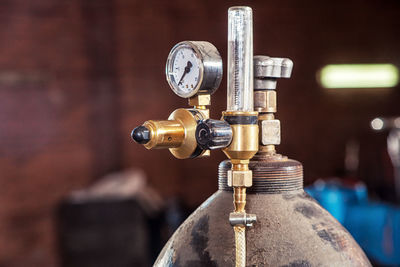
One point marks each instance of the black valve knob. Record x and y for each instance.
(141, 135)
(213, 134)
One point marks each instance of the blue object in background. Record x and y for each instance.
(374, 225)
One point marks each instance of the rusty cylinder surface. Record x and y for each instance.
(292, 229)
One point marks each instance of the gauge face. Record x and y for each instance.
(194, 67)
(184, 70)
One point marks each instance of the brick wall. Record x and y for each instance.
(77, 76)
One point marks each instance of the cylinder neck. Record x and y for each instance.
(272, 175)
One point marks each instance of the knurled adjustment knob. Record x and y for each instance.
(268, 69)
(213, 134)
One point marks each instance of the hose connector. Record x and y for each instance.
(242, 219)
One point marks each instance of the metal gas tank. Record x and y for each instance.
(292, 229)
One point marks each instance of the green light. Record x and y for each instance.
(359, 76)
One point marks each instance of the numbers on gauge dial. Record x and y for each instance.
(185, 70)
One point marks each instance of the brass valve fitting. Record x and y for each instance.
(240, 178)
(266, 72)
(244, 144)
(177, 133)
(164, 134)
(243, 147)
(200, 101)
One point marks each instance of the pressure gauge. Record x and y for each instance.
(194, 67)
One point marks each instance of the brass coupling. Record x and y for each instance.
(200, 101)
(244, 144)
(177, 133)
(240, 175)
(164, 134)
(243, 147)
(189, 119)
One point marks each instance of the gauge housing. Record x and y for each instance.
(210, 68)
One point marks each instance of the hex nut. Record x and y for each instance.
(270, 132)
(265, 101)
(259, 100)
(240, 178)
(200, 100)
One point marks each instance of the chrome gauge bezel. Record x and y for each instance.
(169, 69)
(210, 68)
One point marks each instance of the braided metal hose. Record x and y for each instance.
(239, 200)
(240, 244)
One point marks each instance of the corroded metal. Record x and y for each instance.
(292, 229)
(276, 176)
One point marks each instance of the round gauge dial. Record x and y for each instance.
(194, 68)
(185, 70)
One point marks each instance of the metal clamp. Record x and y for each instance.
(240, 218)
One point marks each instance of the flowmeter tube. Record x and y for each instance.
(242, 118)
(240, 59)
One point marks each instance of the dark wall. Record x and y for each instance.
(77, 76)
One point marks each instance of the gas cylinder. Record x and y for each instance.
(292, 229)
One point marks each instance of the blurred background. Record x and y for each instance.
(76, 76)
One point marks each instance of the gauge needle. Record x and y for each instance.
(187, 70)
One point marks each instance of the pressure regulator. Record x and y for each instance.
(193, 71)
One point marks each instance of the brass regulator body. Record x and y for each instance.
(194, 71)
